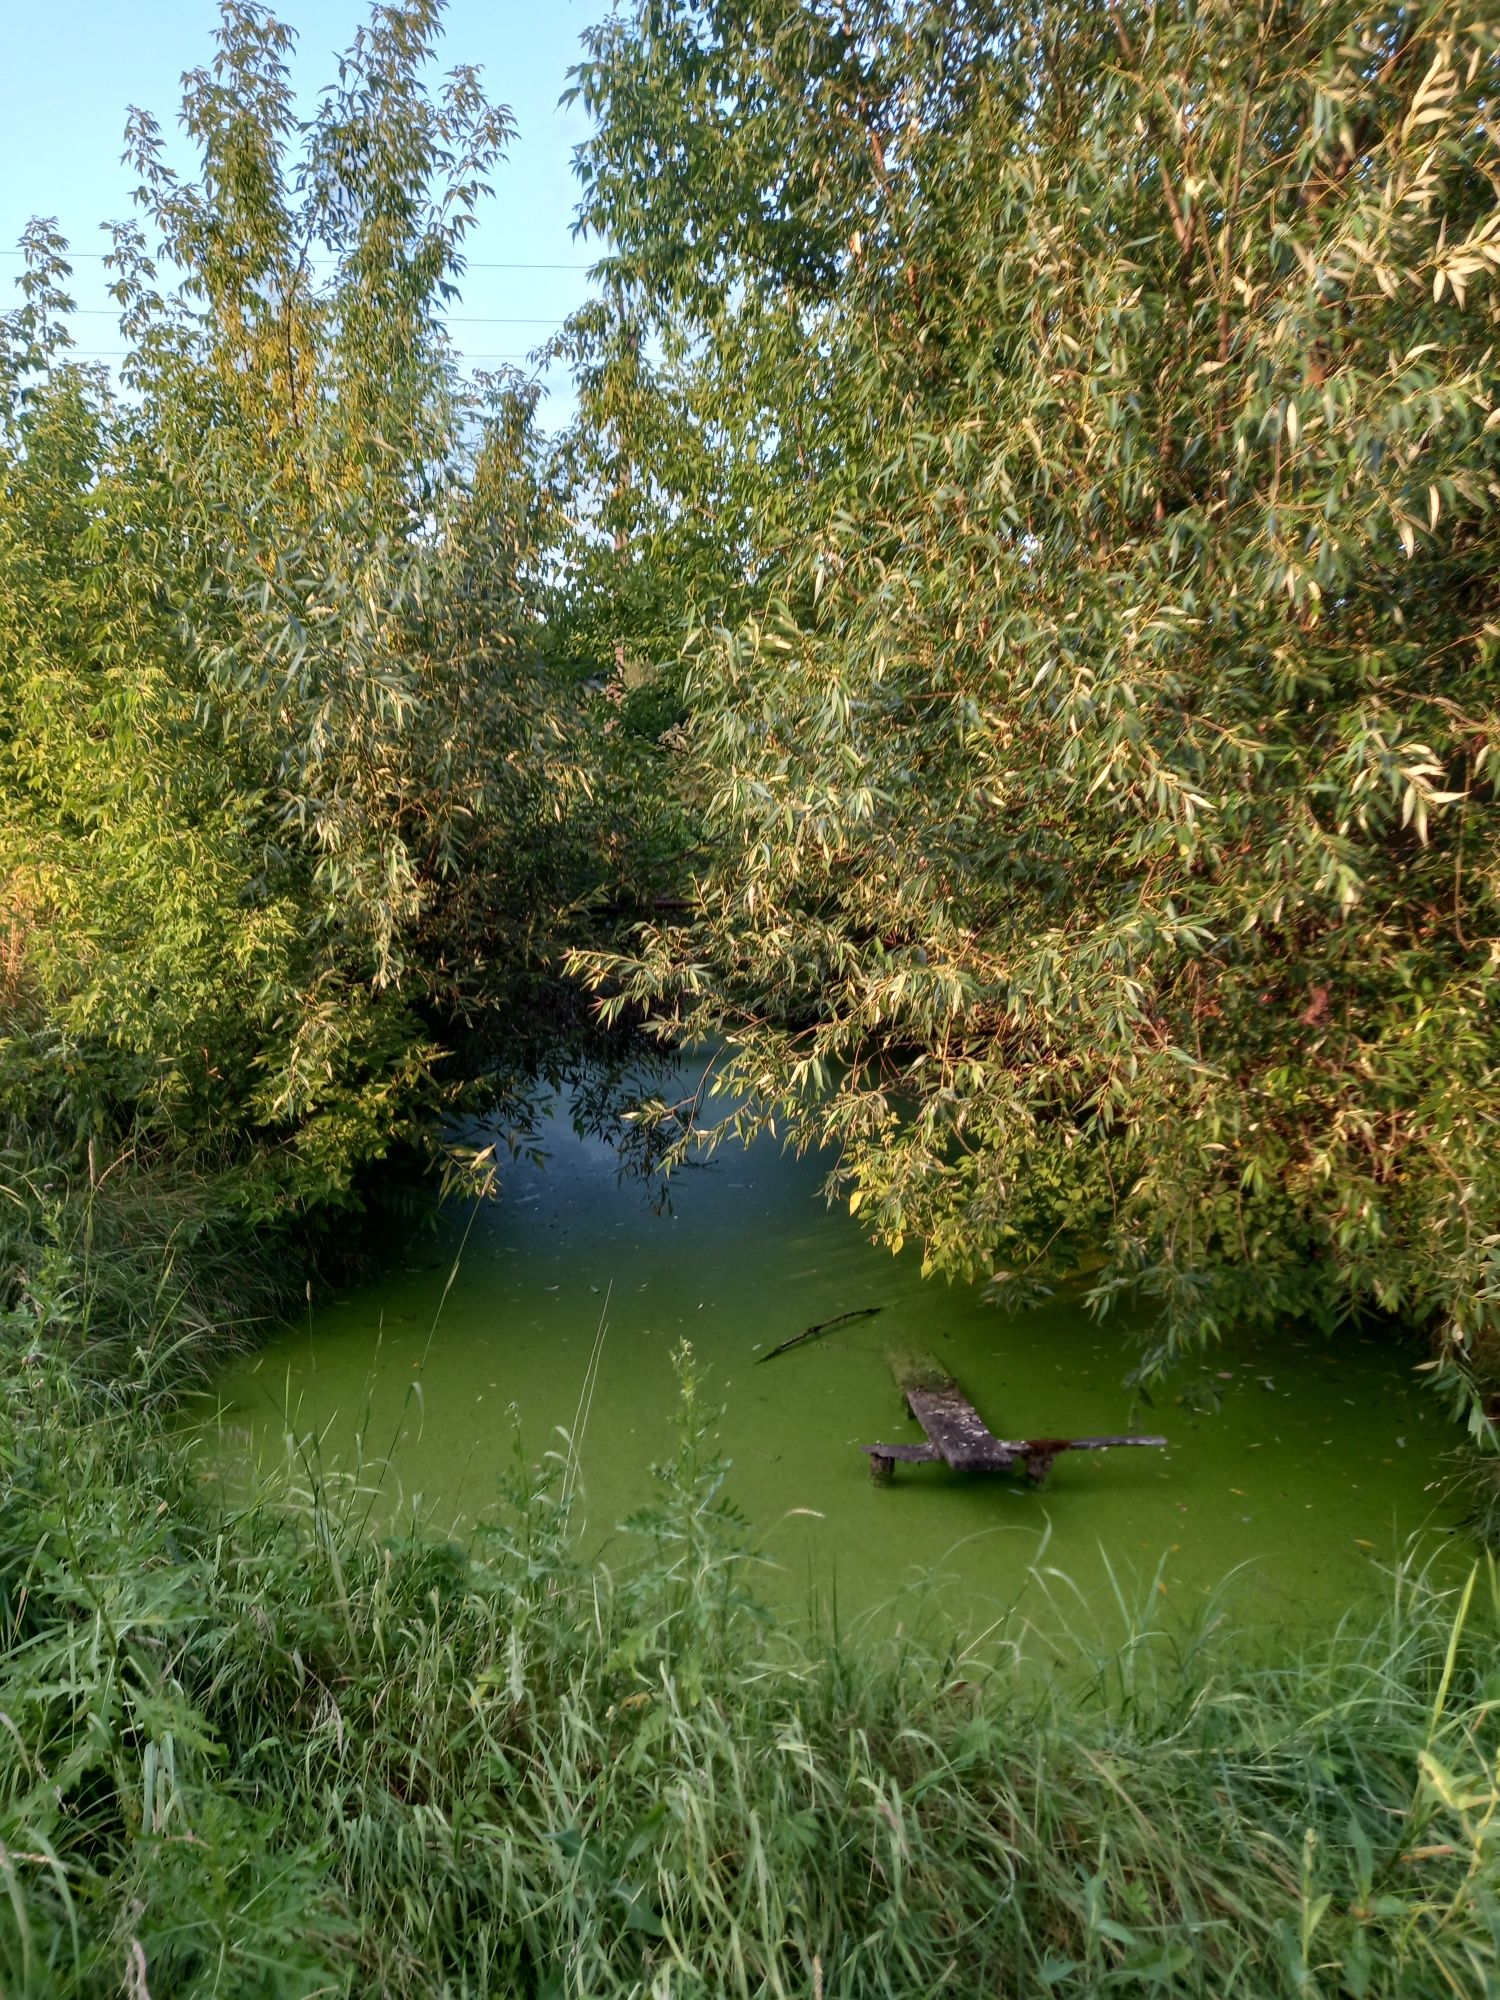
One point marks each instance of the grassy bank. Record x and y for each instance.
(251, 1749)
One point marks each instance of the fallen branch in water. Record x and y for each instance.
(823, 1326)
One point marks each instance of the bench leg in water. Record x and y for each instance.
(883, 1458)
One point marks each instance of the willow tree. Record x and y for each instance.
(282, 770)
(1097, 771)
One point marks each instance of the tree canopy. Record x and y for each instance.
(1018, 604)
(286, 777)
(1093, 726)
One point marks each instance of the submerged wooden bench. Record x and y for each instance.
(959, 1436)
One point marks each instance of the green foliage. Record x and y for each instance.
(286, 781)
(249, 1750)
(1095, 757)
(1065, 438)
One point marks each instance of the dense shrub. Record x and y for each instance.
(286, 784)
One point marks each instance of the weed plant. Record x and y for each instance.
(254, 1748)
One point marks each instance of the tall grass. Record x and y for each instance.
(126, 1267)
(254, 1750)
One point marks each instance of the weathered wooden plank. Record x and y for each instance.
(1051, 1446)
(946, 1414)
(958, 1430)
(916, 1368)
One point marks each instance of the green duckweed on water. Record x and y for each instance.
(563, 1300)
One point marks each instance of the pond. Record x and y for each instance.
(1318, 1466)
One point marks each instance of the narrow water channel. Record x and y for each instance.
(1312, 1475)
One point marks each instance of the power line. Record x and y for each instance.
(72, 256)
(449, 319)
(125, 354)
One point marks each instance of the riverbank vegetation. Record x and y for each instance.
(298, 804)
(256, 1751)
(1096, 744)
(1008, 648)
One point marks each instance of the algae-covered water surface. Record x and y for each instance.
(1319, 1463)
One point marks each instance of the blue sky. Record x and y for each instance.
(71, 67)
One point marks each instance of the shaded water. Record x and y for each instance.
(1318, 1465)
